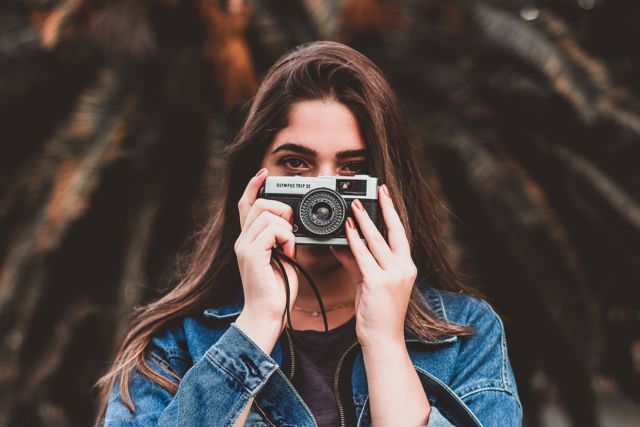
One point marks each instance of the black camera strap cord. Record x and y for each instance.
(278, 256)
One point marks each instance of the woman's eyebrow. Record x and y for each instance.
(351, 153)
(296, 148)
(313, 153)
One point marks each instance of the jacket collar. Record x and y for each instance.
(433, 297)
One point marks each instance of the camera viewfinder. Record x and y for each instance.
(352, 187)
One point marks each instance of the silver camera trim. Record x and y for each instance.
(294, 185)
(300, 185)
(304, 240)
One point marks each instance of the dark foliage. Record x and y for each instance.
(114, 112)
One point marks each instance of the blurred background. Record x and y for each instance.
(526, 113)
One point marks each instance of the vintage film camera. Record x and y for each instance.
(322, 204)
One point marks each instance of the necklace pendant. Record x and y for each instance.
(314, 314)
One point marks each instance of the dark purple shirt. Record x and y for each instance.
(315, 373)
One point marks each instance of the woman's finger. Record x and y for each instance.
(365, 260)
(264, 219)
(377, 245)
(395, 230)
(273, 234)
(250, 194)
(274, 206)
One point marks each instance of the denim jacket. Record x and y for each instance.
(468, 380)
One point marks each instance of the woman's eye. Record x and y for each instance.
(355, 167)
(292, 162)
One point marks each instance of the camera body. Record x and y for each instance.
(322, 204)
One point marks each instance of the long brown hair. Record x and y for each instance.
(209, 273)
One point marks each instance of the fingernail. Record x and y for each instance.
(261, 173)
(385, 190)
(350, 223)
(358, 205)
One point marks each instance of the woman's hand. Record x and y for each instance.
(264, 222)
(384, 274)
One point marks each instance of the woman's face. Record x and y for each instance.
(322, 138)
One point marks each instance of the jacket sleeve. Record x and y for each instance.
(212, 392)
(483, 378)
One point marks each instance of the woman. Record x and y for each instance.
(401, 350)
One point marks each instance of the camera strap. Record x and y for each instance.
(278, 256)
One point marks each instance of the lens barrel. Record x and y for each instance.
(322, 212)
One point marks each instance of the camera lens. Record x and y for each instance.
(322, 212)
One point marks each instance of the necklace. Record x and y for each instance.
(316, 313)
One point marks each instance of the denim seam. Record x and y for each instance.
(443, 310)
(500, 390)
(488, 388)
(480, 385)
(434, 299)
(105, 419)
(364, 408)
(264, 415)
(158, 358)
(176, 353)
(257, 347)
(231, 374)
(236, 410)
(295, 392)
(503, 350)
(263, 378)
(451, 392)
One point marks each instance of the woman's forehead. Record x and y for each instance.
(327, 127)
